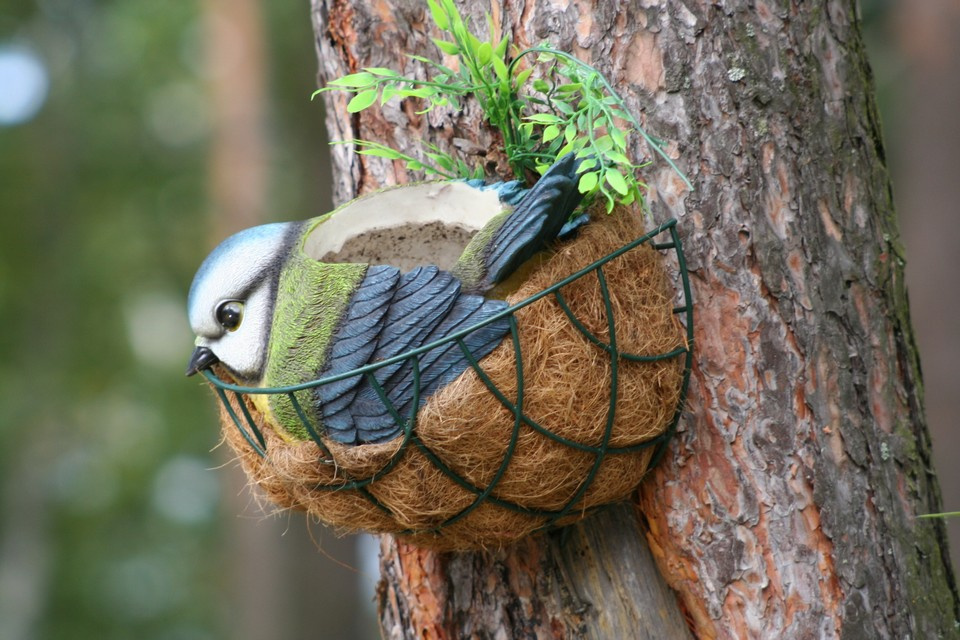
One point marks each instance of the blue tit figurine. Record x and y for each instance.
(267, 307)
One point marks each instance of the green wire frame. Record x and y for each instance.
(251, 433)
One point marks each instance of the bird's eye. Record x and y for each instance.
(229, 314)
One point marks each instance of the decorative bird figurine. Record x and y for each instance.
(267, 307)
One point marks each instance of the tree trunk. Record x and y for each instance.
(786, 506)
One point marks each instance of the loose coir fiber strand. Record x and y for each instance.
(566, 389)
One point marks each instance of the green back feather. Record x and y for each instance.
(312, 297)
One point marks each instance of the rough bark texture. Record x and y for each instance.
(787, 505)
(595, 579)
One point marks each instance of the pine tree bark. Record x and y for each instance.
(786, 507)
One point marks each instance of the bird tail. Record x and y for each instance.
(514, 237)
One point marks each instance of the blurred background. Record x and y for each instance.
(136, 134)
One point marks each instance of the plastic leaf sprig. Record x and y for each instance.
(568, 107)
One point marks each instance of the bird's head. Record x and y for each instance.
(231, 300)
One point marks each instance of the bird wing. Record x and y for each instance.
(512, 238)
(419, 307)
(354, 343)
(391, 314)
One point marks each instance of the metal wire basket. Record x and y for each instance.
(663, 238)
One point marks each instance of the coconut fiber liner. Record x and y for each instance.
(566, 388)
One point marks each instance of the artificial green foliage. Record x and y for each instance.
(568, 106)
(440, 163)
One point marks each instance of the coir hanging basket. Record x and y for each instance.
(564, 416)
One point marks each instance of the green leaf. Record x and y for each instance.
(570, 133)
(609, 204)
(523, 76)
(450, 8)
(422, 92)
(473, 42)
(501, 69)
(584, 150)
(586, 165)
(491, 28)
(388, 92)
(564, 107)
(541, 85)
(616, 180)
(381, 71)
(354, 80)
(618, 137)
(447, 47)
(588, 182)
(603, 144)
(362, 100)
(567, 148)
(439, 17)
(501, 49)
(443, 160)
(389, 154)
(484, 53)
(551, 132)
(618, 157)
(544, 118)
(368, 148)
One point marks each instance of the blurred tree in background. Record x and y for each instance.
(107, 502)
(133, 136)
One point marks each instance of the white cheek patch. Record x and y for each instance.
(244, 350)
(234, 352)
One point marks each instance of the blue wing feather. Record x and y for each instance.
(539, 218)
(399, 314)
(354, 342)
(441, 365)
(392, 313)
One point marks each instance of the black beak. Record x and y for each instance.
(201, 359)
